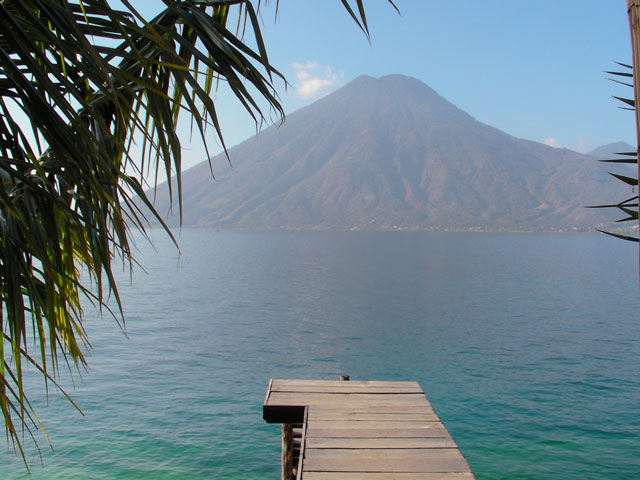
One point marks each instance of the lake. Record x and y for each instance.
(527, 345)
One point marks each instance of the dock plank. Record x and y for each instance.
(380, 442)
(347, 399)
(325, 415)
(417, 432)
(386, 476)
(344, 389)
(372, 424)
(330, 383)
(389, 408)
(385, 460)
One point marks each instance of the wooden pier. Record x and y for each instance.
(348, 430)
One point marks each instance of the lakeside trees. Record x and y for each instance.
(81, 82)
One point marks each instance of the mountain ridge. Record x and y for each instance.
(610, 149)
(390, 153)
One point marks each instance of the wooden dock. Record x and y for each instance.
(348, 430)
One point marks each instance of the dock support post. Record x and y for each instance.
(287, 452)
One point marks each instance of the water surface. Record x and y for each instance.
(526, 344)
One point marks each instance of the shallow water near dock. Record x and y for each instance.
(527, 345)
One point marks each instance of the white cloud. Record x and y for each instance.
(552, 142)
(305, 66)
(582, 145)
(314, 80)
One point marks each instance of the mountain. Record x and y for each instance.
(391, 153)
(610, 149)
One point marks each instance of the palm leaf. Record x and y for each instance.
(628, 180)
(629, 206)
(626, 101)
(618, 235)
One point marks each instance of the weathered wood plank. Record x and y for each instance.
(402, 442)
(303, 446)
(387, 476)
(385, 460)
(418, 431)
(343, 387)
(316, 414)
(286, 469)
(373, 424)
(329, 383)
(362, 399)
(354, 408)
(266, 398)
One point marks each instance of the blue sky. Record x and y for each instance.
(534, 69)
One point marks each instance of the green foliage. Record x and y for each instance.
(92, 81)
(630, 206)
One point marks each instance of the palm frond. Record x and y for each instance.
(92, 79)
(630, 206)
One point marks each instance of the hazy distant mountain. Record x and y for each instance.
(391, 153)
(610, 149)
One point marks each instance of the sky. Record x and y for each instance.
(534, 69)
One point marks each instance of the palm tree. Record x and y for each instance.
(92, 81)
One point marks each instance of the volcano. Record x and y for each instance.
(390, 153)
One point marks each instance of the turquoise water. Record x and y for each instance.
(527, 345)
